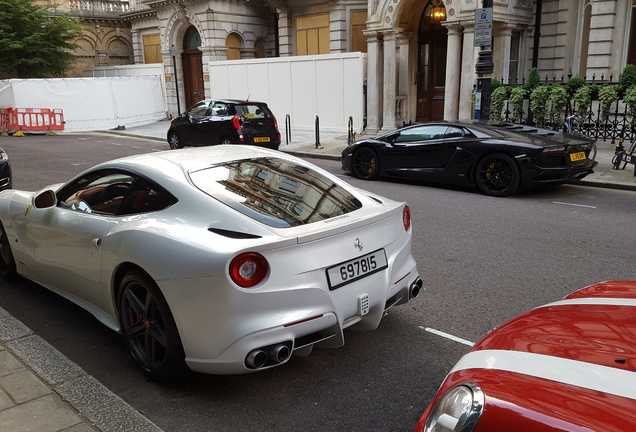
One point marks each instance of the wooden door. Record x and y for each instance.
(431, 70)
(193, 76)
(152, 48)
(312, 34)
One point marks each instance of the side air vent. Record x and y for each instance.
(233, 234)
(375, 199)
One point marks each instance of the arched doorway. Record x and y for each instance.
(233, 46)
(191, 59)
(431, 62)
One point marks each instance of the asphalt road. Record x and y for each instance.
(483, 261)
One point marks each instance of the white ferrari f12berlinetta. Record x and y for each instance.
(223, 260)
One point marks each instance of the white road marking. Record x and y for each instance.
(76, 164)
(573, 205)
(448, 336)
(117, 144)
(157, 150)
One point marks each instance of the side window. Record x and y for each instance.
(114, 193)
(454, 132)
(100, 193)
(219, 109)
(199, 110)
(146, 197)
(421, 133)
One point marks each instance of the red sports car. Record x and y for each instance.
(566, 366)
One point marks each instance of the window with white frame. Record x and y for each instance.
(515, 51)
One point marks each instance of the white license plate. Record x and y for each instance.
(356, 269)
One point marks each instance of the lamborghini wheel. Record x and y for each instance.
(498, 175)
(365, 164)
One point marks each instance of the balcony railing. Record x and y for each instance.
(98, 8)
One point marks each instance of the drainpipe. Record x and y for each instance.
(537, 34)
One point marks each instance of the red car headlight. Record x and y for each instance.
(457, 411)
(248, 269)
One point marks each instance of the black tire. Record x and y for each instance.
(7, 262)
(497, 175)
(174, 140)
(149, 328)
(365, 164)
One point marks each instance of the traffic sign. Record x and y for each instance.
(483, 27)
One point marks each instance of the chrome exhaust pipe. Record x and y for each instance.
(416, 287)
(279, 353)
(256, 359)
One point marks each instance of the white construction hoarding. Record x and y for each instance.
(330, 86)
(91, 103)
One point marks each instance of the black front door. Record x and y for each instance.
(421, 149)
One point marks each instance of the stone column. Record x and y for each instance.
(338, 29)
(453, 70)
(284, 38)
(404, 82)
(467, 74)
(138, 47)
(503, 38)
(374, 79)
(389, 81)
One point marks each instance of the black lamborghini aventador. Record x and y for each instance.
(497, 158)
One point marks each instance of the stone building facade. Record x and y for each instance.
(420, 53)
(420, 69)
(105, 37)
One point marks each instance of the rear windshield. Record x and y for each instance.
(275, 192)
(253, 111)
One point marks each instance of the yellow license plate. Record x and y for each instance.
(578, 156)
(266, 139)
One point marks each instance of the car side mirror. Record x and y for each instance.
(392, 139)
(46, 199)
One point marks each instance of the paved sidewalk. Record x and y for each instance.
(303, 144)
(43, 391)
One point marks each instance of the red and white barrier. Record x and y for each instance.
(31, 120)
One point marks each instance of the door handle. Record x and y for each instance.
(97, 242)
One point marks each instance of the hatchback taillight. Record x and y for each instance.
(248, 269)
(406, 218)
(236, 122)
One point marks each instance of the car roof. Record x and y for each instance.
(194, 159)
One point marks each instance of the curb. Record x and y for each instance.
(101, 408)
(311, 155)
(129, 135)
(605, 185)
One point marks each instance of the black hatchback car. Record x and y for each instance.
(6, 181)
(227, 121)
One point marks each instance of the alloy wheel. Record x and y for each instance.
(365, 164)
(497, 174)
(144, 326)
(173, 141)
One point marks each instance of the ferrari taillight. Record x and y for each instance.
(248, 269)
(406, 218)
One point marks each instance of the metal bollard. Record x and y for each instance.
(317, 125)
(288, 133)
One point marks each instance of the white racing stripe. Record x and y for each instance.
(604, 301)
(591, 376)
